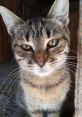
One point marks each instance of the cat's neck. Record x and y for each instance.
(51, 80)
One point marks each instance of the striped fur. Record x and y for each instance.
(41, 47)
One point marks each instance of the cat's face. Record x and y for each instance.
(40, 45)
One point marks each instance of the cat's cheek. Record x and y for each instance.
(61, 57)
(23, 65)
(20, 60)
(17, 57)
(65, 50)
(61, 61)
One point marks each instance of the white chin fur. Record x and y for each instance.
(44, 71)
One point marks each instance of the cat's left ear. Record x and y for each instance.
(11, 21)
(60, 12)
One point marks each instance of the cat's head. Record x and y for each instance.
(40, 45)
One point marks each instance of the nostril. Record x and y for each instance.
(41, 63)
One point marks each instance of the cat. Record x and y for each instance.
(41, 47)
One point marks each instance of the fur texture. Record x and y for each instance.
(41, 47)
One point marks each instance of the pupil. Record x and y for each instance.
(53, 43)
(26, 47)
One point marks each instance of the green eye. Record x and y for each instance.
(53, 43)
(26, 47)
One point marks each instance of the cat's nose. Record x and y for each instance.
(40, 62)
(40, 58)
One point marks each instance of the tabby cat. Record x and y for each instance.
(41, 46)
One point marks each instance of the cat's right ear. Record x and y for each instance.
(11, 21)
(60, 12)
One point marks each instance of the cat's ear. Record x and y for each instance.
(60, 12)
(11, 21)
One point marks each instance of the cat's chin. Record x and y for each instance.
(39, 71)
(42, 72)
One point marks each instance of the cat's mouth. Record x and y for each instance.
(43, 71)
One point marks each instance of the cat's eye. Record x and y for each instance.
(26, 47)
(53, 43)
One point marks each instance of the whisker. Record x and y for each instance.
(13, 82)
(23, 73)
(73, 51)
(15, 79)
(10, 82)
(13, 74)
(72, 62)
(74, 67)
(70, 70)
(16, 69)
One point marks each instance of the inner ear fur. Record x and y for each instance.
(60, 12)
(11, 20)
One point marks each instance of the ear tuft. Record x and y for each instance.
(10, 19)
(60, 12)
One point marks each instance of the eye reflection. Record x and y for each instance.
(26, 47)
(53, 43)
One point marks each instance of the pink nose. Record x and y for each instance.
(41, 62)
(40, 58)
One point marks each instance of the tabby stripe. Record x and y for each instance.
(47, 86)
(44, 112)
